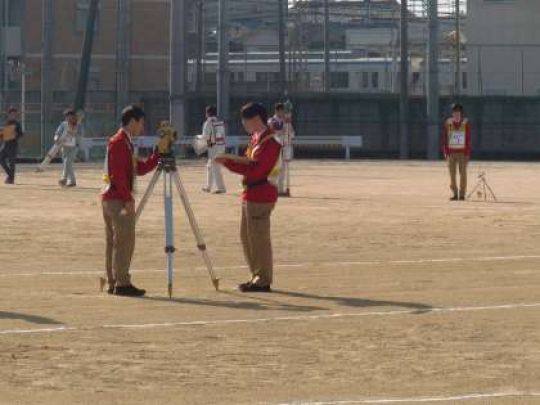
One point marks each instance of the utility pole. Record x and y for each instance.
(178, 65)
(433, 81)
(404, 85)
(457, 82)
(326, 29)
(199, 72)
(24, 73)
(123, 29)
(86, 55)
(46, 71)
(2, 53)
(281, 32)
(223, 76)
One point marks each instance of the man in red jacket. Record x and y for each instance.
(260, 176)
(457, 149)
(118, 204)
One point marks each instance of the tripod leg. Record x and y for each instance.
(491, 191)
(201, 245)
(288, 177)
(473, 190)
(169, 231)
(147, 193)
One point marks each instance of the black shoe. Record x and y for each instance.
(462, 198)
(9, 181)
(110, 290)
(62, 182)
(243, 286)
(252, 287)
(454, 198)
(129, 291)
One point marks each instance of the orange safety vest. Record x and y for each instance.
(457, 137)
(273, 176)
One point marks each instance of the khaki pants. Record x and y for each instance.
(120, 232)
(256, 240)
(458, 161)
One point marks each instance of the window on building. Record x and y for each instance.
(210, 78)
(365, 80)
(237, 77)
(339, 80)
(464, 82)
(94, 78)
(81, 15)
(267, 77)
(375, 80)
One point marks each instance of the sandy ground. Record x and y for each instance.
(385, 292)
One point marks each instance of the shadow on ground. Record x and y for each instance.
(265, 302)
(29, 318)
(260, 305)
(357, 302)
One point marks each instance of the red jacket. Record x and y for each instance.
(265, 156)
(120, 162)
(451, 126)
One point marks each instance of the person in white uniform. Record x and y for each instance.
(281, 123)
(69, 133)
(214, 133)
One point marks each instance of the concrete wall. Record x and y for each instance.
(503, 127)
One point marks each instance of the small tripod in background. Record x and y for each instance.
(167, 167)
(482, 189)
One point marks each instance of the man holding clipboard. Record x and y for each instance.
(260, 169)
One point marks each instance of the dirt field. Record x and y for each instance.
(385, 292)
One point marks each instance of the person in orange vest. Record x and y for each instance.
(118, 203)
(456, 141)
(260, 173)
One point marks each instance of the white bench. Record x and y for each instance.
(235, 142)
(347, 142)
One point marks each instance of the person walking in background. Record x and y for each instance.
(11, 133)
(69, 134)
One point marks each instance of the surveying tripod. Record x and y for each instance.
(167, 167)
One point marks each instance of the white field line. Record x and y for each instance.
(337, 315)
(297, 265)
(454, 398)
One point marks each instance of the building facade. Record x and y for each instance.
(503, 57)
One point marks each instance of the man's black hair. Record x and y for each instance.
(457, 107)
(69, 111)
(252, 110)
(211, 110)
(12, 110)
(279, 107)
(132, 112)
